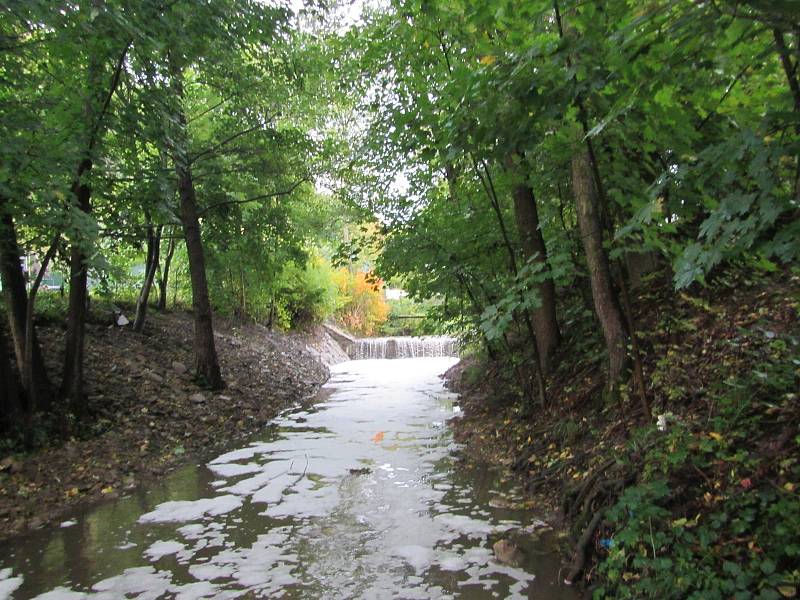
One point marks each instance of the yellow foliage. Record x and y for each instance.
(362, 305)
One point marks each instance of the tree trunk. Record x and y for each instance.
(72, 380)
(205, 353)
(153, 247)
(11, 412)
(605, 300)
(491, 193)
(794, 85)
(98, 101)
(544, 320)
(16, 297)
(163, 281)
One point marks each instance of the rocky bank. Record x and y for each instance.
(147, 415)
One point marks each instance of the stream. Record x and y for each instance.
(360, 496)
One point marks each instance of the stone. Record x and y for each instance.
(197, 398)
(10, 464)
(154, 377)
(179, 367)
(507, 552)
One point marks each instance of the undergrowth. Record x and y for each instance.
(716, 512)
(698, 501)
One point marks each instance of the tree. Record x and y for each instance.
(544, 319)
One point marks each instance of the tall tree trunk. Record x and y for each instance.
(205, 354)
(98, 101)
(29, 381)
(163, 280)
(605, 299)
(72, 379)
(544, 320)
(590, 225)
(16, 298)
(488, 185)
(11, 410)
(153, 247)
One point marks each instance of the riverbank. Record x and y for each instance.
(689, 498)
(146, 414)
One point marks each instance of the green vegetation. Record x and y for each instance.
(715, 513)
(569, 186)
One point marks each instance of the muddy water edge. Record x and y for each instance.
(362, 495)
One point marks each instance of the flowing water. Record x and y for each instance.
(361, 496)
(403, 347)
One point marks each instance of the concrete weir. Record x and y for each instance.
(394, 347)
(403, 347)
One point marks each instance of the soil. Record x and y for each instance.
(146, 414)
(687, 340)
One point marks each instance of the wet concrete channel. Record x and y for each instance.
(361, 496)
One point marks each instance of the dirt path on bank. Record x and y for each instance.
(146, 414)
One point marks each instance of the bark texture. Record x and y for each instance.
(205, 354)
(151, 266)
(604, 297)
(544, 320)
(72, 381)
(163, 280)
(10, 400)
(16, 300)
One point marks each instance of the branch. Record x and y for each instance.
(227, 140)
(255, 198)
(114, 84)
(51, 251)
(208, 110)
(728, 90)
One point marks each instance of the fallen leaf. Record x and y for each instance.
(107, 490)
(489, 59)
(787, 591)
(378, 437)
(715, 436)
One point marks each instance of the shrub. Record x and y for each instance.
(362, 307)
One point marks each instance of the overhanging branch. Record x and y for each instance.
(286, 192)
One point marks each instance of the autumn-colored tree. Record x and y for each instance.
(363, 307)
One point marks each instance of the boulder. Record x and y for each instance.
(507, 552)
(179, 367)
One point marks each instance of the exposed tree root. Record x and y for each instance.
(581, 549)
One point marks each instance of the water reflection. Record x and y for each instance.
(361, 496)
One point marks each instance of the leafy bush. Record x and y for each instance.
(308, 295)
(715, 515)
(362, 307)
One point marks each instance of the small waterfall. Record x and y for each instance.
(403, 347)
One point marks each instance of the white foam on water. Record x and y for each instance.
(180, 511)
(234, 469)
(163, 548)
(418, 557)
(8, 584)
(144, 582)
(198, 590)
(62, 593)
